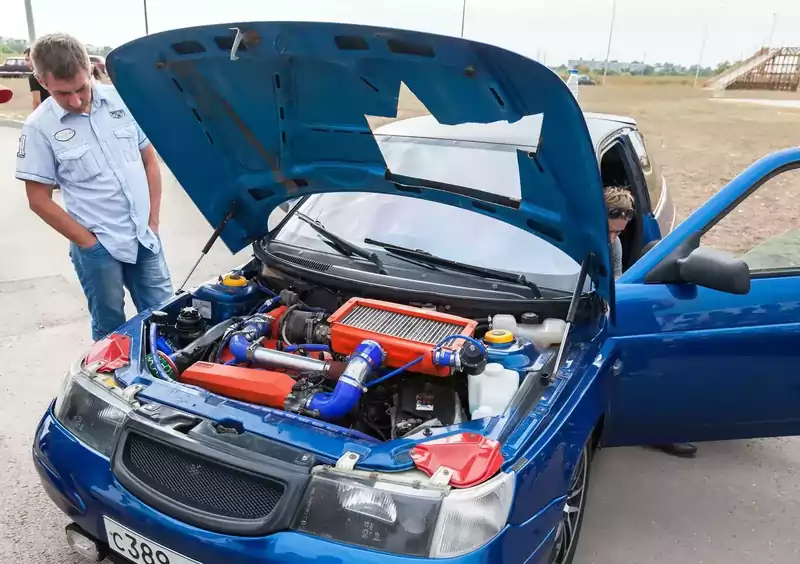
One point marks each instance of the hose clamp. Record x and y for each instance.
(252, 348)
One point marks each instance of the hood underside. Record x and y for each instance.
(249, 115)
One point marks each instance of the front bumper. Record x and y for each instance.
(80, 483)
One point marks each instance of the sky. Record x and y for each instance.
(547, 30)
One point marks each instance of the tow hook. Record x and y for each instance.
(84, 545)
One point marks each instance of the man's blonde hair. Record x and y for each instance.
(619, 197)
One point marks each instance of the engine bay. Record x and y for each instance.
(383, 368)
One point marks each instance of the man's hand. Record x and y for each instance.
(152, 169)
(88, 242)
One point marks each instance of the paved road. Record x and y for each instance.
(738, 502)
(793, 104)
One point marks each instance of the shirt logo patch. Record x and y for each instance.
(64, 135)
(21, 147)
(117, 114)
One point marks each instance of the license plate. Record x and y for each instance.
(139, 549)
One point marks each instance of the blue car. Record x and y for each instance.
(419, 360)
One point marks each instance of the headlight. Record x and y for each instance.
(403, 519)
(92, 407)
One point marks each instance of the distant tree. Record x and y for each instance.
(722, 67)
(648, 71)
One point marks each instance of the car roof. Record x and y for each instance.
(524, 133)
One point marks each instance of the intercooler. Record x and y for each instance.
(405, 333)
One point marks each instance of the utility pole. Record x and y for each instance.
(29, 16)
(700, 57)
(610, 35)
(463, 16)
(772, 30)
(146, 23)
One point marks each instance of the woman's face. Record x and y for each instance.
(615, 227)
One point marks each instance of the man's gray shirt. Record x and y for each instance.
(616, 257)
(96, 160)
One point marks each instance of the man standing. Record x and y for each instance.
(620, 210)
(38, 93)
(84, 139)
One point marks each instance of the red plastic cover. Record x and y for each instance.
(472, 458)
(113, 351)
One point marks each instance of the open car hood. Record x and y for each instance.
(276, 110)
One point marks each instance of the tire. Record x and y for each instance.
(569, 529)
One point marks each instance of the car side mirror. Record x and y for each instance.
(716, 270)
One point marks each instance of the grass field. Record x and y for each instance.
(700, 143)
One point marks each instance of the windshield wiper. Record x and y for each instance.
(344, 246)
(426, 257)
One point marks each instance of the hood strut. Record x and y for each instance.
(571, 313)
(210, 243)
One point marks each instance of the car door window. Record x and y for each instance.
(654, 187)
(764, 228)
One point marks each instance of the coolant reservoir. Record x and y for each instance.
(546, 334)
(232, 295)
(514, 353)
(491, 391)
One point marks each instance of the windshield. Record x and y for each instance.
(446, 231)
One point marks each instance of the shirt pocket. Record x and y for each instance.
(79, 163)
(128, 142)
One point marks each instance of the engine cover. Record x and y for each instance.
(405, 333)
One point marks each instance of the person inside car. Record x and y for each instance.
(621, 209)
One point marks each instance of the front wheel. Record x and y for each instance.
(569, 527)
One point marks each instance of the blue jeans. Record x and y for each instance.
(104, 279)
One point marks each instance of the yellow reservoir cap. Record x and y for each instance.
(499, 337)
(234, 280)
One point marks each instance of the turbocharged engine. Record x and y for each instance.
(292, 357)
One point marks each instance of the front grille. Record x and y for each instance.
(200, 483)
(400, 325)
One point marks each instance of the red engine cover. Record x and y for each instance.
(405, 333)
(472, 458)
(262, 387)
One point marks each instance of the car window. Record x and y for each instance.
(449, 232)
(654, 187)
(764, 228)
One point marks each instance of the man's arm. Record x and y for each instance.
(40, 200)
(36, 90)
(36, 167)
(153, 171)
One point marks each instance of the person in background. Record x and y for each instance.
(38, 92)
(620, 210)
(84, 139)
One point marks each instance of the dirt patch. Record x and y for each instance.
(21, 104)
(701, 144)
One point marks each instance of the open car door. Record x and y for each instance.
(708, 342)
